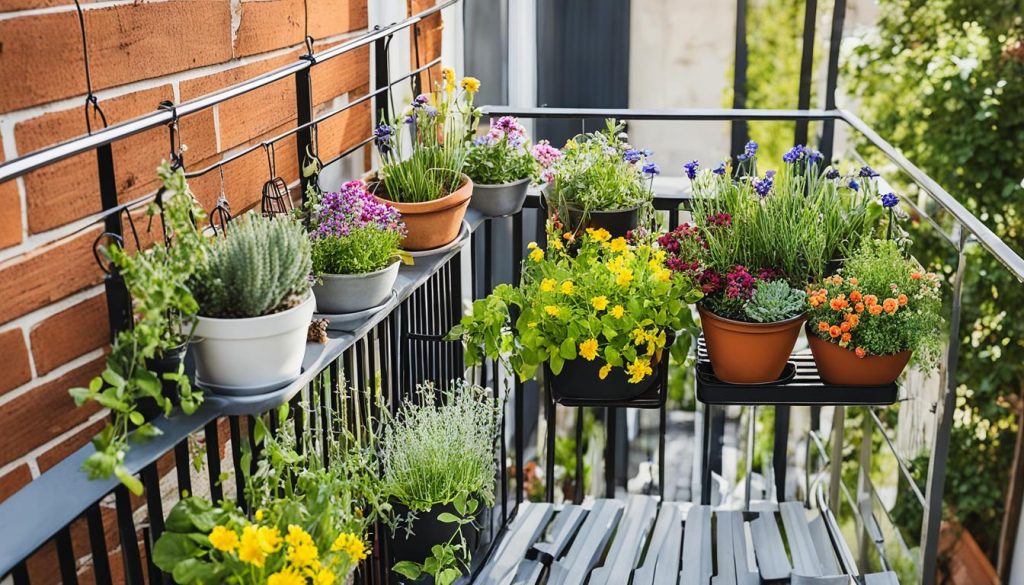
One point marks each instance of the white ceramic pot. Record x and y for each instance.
(252, 356)
(351, 293)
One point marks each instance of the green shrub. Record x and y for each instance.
(260, 267)
(502, 155)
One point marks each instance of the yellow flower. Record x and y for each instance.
(588, 349)
(223, 538)
(269, 539)
(660, 255)
(532, 324)
(351, 545)
(599, 234)
(324, 577)
(624, 277)
(567, 287)
(551, 310)
(537, 255)
(617, 311)
(547, 285)
(663, 274)
(605, 369)
(448, 74)
(470, 84)
(557, 244)
(297, 536)
(303, 555)
(286, 576)
(531, 246)
(599, 303)
(654, 264)
(638, 370)
(249, 549)
(619, 244)
(639, 336)
(259, 515)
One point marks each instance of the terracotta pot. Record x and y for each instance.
(433, 224)
(748, 353)
(840, 366)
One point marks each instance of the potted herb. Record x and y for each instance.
(760, 239)
(601, 181)
(866, 322)
(599, 319)
(355, 250)
(428, 186)
(255, 306)
(501, 166)
(438, 470)
(144, 374)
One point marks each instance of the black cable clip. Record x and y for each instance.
(309, 56)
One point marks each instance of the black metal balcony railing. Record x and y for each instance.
(403, 344)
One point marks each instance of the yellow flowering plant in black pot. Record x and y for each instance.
(597, 311)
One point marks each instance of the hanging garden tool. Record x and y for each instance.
(276, 199)
(220, 215)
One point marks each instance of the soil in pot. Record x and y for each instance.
(748, 353)
(427, 531)
(500, 200)
(430, 224)
(166, 363)
(350, 293)
(841, 366)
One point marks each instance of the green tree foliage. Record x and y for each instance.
(943, 80)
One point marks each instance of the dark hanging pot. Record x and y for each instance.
(167, 362)
(427, 531)
(580, 380)
(618, 222)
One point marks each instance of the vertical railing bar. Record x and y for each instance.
(66, 557)
(836, 460)
(182, 467)
(236, 459)
(304, 114)
(325, 413)
(98, 545)
(129, 541)
(806, 68)
(519, 406)
(611, 426)
(780, 449)
(118, 301)
(212, 433)
(580, 487)
(864, 482)
(20, 574)
(381, 79)
(155, 514)
(828, 127)
(740, 133)
(298, 414)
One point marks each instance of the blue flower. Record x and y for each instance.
(853, 185)
(720, 169)
(770, 174)
(749, 150)
(651, 169)
(431, 111)
(794, 154)
(813, 155)
(691, 169)
(890, 200)
(382, 135)
(632, 155)
(763, 186)
(867, 172)
(831, 173)
(410, 119)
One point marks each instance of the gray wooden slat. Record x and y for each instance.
(724, 552)
(529, 524)
(744, 557)
(589, 544)
(696, 547)
(629, 542)
(886, 578)
(794, 518)
(768, 548)
(668, 518)
(823, 545)
(667, 570)
(562, 531)
(831, 580)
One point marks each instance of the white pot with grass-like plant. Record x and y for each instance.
(255, 306)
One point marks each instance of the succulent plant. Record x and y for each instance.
(260, 267)
(773, 301)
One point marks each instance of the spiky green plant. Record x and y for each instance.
(774, 301)
(262, 266)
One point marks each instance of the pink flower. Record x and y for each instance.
(545, 154)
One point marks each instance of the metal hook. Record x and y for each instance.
(177, 148)
(221, 212)
(116, 238)
(268, 148)
(309, 56)
(90, 98)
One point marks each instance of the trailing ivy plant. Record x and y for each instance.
(162, 306)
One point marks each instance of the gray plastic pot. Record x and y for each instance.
(499, 200)
(350, 293)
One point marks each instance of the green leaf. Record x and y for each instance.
(556, 364)
(568, 349)
(448, 518)
(130, 481)
(460, 503)
(137, 418)
(408, 569)
(173, 548)
(448, 576)
(195, 571)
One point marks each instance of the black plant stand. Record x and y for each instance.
(805, 388)
(653, 398)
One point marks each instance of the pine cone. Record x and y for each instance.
(317, 331)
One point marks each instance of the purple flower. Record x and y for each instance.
(867, 172)
(853, 185)
(763, 186)
(720, 169)
(632, 155)
(750, 149)
(831, 173)
(545, 154)
(410, 119)
(651, 169)
(691, 169)
(431, 111)
(794, 154)
(770, 174)
(420, 100)
(351, 208)
(890, 200)
(382, 136)
(813, 155)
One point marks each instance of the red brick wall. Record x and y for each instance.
(53, 322)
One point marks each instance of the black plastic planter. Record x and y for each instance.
(167, 363)
(427, 531)
(579, 381)
(618, 222)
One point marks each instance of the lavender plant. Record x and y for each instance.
(353, 233)
(502, 155)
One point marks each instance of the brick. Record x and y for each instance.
(15, 5)
(46, 275)
(69, 190)
(429, 31)
(329, 18)
(338, 134)
(45, 412)
(16, 370)
(69, 445)
(266, 25)
(14, 480)
(70, 333)
(340, 75)
(199, 133)
(10, 211)
(126, 43)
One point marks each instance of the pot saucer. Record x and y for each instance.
(245, 391)
(707, 375)
(350, 321)
(459, 239)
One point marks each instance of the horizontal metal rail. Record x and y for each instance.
(904, 468)
(42, 158)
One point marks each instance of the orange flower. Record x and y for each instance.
(846, 337)
(915, 275)
(890, 305)
(853, 319)
(822, 326)
(834, 331)
(870, 300)
(853, 282)
(855, 296)
(837, 280)
(902, 299)
(814, 302)
(845, 326)
(859, 307)
(860, 352)
(875, 309)
(838, 304)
